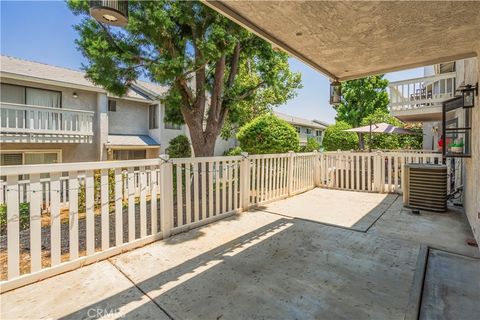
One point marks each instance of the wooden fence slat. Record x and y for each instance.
(13, 227)
(210, 189)
(55, 235)
(118, 207)
(131, 204)
(179, 177)
(143, 202)
(73, 214)
(89, 212)
(35, 223)
(236, 178)
(204, 189)
(196, 195)
(188, 191)
(217, 187)
(154, 198)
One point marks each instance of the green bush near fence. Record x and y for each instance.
(268, 134)
(24, 210)
(312, 145)
(336, 138)
(179, 147)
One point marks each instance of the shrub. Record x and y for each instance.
(24, 210)
(236, 151)
(336, 138)
(179, 147)
(268, 134)
(312, 145)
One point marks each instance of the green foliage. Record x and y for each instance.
(185, 45)
(236, 151)
(360, 98)
(268, 134)
(312, 145)
(179, 147)
(97, 190)
(24, 210)
(336, 138)
(392, 141)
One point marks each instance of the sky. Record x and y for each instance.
(43, 31)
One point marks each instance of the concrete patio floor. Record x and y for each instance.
(281, 261)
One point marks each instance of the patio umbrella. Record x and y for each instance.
(380, 128)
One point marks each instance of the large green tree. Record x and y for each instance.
(212, 66)
(360, 98)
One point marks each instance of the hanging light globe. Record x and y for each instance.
(111, 12)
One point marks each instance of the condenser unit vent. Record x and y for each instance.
(425, 187)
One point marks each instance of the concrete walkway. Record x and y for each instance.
(262, 265)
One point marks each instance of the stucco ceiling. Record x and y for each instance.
(346, 40)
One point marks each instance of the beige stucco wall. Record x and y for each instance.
(131, 117)
(468, 72)
(71, 152)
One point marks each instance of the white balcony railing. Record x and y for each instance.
(28, 119)
(421, 92)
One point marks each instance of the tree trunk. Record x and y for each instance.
(361, 142)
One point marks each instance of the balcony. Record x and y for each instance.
(421, 99)
(227, 236)
(36, 124)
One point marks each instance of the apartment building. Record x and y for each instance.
(306, 128)
(51, 115)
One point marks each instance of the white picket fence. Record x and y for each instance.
(369, 171)
(105, 208)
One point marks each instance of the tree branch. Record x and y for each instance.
(234, 65)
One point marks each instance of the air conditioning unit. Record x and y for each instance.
(425, 187)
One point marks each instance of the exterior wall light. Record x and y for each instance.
(111, 12)
(75, 95)
(469, 92)
(335, 93)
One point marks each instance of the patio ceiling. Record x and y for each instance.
(347, 40)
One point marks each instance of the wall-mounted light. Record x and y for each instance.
(469, 92)
(335, 93)
(75, 95)
(112, 12)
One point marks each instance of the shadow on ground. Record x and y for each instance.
(286, 269)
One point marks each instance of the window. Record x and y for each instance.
(298, 129)
(129, 154)
(112, 105)
(308, 131)
(153, 117)
(172, 126)
(31, 96)
(16, 158)
(318, 133)
(13, 94)
(11, 159)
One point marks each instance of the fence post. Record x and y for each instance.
(378, 172)
(291, 159)
(316, 169)
(245, 182)
(166, 195)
